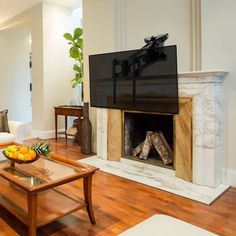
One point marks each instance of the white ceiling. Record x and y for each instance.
(10, 8)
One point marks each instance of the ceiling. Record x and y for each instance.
(10, 8)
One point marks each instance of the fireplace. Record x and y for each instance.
(201, 112)
(136, 126)
(180, 136)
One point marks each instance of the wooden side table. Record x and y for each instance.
(69, 110)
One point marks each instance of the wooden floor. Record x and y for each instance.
(120, 204)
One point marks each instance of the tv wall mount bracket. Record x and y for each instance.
(138, 61)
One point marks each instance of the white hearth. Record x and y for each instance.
(205, 90)
(156, 177)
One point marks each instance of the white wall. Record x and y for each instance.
(145, 18)
(15, 72)
(57, 63)
(37, 67)
(218, 52)
(99, 37)
(52, 66)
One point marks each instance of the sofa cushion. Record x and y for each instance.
(6, 137)
(4, 121)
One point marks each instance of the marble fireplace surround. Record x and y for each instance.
(205, 90)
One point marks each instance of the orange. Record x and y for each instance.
(23, 150)
(15, 154)
(27, 157)
(32, 153)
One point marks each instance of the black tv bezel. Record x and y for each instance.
(133, 108)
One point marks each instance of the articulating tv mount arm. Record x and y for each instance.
(155, 41)
(141, 57)
(138, 61)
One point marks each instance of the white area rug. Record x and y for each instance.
(167, 226)
(157, 177)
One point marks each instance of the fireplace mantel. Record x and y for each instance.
(205, 89)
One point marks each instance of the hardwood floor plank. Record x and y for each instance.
(120, 204)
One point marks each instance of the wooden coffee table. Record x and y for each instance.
(33, 192)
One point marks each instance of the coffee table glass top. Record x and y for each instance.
(42, 171)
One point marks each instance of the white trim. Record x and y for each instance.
(47, 134)
(119, 19)
(218, 74)
(44, 134)
(196, 34)
(228, 177)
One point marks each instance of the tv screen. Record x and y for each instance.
(143, 80)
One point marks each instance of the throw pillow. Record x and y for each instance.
(4, 121)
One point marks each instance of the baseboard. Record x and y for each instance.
(47, 134)
(43, 134)
(228, 177)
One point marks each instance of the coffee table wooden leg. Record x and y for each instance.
(32, 214)
(88, 198)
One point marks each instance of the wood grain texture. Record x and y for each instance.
(183, 140)
(32, 213)
(120, 204)
(15, 201)
(6, 230)
(64, 148)
(114, 135)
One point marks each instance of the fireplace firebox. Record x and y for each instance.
(135, 129)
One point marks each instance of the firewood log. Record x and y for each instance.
(157, 141)
(146, 145)
(162, 147)
(138, 149)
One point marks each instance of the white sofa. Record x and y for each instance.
(17, 132)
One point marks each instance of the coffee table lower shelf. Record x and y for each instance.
(51, 204)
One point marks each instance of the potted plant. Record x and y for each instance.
(76, 52)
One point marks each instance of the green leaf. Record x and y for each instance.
(80, 43)
(80, 58)
(80, 80)
(68, 36)
(74, 52)
(74, 84)
(77, 68)
(77, 80)
(77, 33)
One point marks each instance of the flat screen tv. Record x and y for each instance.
(142, 80)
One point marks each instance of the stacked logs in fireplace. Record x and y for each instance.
(154, 141)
